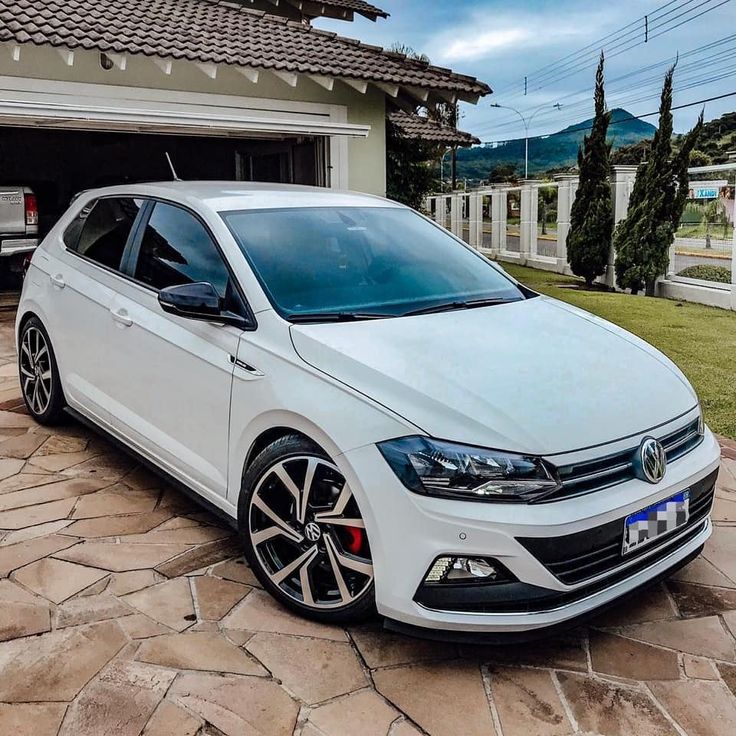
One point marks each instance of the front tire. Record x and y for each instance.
(39, 374)
(303, 533)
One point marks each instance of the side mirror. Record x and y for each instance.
(199, 300)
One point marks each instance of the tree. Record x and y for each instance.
(409, 168)
(503, 173)
(643, 238)
(700, 158)
(632, 155)
(591, 218)
(410, 162)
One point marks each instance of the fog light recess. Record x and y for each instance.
(466, 570)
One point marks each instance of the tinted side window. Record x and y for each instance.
(103, 229)
(177, 249)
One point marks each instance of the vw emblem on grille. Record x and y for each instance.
(312, 532)
(651, 460)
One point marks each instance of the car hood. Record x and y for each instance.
(535, 376)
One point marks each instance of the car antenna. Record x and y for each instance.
(171, 166)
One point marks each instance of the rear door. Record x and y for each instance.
(83, 279)
(12, 211)
(172, 376)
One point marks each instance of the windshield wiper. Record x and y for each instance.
(458, 304)
(315, 317)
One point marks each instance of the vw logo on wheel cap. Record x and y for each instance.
(651, 460)
(312, 531)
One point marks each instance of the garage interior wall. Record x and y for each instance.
(57, 164)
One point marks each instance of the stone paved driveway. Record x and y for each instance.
(124, 609)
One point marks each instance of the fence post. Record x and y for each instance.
(456, 215)
(670, 261)
(439, 210)
(528, 223)
(566, 190)
(622, 182)
(499, 212)
(476, 220)
(733, 269)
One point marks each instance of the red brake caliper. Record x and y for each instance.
(354, 539)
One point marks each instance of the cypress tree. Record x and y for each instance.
(643, 238)
(591, 217)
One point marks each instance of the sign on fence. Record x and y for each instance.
(706, 189)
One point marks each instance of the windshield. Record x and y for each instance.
(362, 262)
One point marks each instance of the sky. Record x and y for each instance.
(555, 43)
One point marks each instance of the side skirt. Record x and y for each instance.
(149, 465)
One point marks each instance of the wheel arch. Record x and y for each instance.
(23, 318)
(269, 436)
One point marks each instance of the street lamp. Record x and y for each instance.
(527, 122)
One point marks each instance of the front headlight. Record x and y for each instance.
(439, 468)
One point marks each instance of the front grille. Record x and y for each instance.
(594, 475)
(575, 558)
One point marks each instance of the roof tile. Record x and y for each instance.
(417, 126)
(357, 6)
(215, 31)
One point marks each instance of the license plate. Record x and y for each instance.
(649, 524)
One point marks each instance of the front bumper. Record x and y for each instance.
(409, 531)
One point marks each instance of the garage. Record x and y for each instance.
(56, 164)
(95, 94)
(61, 143)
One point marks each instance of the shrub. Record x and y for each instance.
(706, 272)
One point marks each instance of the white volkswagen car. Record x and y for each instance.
(390, 420)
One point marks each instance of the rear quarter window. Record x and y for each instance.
(101, 230)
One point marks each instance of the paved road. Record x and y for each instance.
(717, 244)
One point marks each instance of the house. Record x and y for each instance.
(95, 93)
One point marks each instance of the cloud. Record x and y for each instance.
(482, 35)
(481, 45)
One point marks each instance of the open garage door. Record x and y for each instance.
(62, 138)
(57, 164)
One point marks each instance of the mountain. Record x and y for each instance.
(716, 144)
(718, 139)
(555, 151)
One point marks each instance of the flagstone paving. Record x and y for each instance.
(126, 610)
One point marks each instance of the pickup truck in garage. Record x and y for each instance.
(18, 225)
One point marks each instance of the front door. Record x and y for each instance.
(173, 375)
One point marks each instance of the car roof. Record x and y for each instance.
(235, 195)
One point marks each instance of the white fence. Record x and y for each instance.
(528, 225)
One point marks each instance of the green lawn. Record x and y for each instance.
(701, 340)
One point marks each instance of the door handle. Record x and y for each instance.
(58, 281)
(121, 317)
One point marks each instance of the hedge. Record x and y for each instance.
(707, 272)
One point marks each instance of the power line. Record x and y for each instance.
(550, 75)
(594, 45)
(581, 128)
(622, 42)
(621, 95)
(614, 86)
(624, 46)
